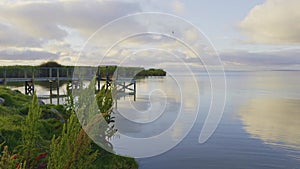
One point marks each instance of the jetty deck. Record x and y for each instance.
(55, 75)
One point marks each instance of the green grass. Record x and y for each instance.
(15, 102)
(10, 130)
(12, 119)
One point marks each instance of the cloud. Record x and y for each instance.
(12, 54)
(63, 26)
(178, 7)
(273, 58)
(47, 20)
(274, 22)
(33, 31)
(60, 26)
(14, 36)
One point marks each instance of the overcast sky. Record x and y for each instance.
(245, 33)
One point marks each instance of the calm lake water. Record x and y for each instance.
(43, 90)
(260, 127)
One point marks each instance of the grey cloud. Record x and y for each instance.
(42, 20)
(12, 36)
(26, 55)
(285, 57)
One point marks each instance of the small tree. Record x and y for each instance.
(50, 64)
(32, 142)
(72, 150)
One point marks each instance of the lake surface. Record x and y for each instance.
(42, 89)
(260, 127)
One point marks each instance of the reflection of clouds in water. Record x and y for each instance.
(167, 85)
(278, 82)
(191, 97)
(161, 108)
(275, 121)
(146, 110)
(177, 131)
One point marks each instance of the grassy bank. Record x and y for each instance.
(30, 132)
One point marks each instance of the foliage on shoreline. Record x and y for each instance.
(42, 70)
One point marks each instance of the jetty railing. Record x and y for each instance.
(54, 75)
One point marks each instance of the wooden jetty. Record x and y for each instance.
(55, 75)
(123, 84)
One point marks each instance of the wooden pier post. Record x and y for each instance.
(98, 79)
(51, 94)
(134, 90)
(25, 74)
(57, 78)
(4, 75)
(107, 78)
(32, 76)
(50, 73)
(68, 76)
(29, 87)
(26, 87)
